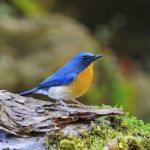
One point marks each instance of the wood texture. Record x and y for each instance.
(22, 116)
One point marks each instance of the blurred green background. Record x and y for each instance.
(39, 36)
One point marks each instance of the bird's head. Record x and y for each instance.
(81, 60)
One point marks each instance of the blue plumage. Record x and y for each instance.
(30, 91)
(66, 74)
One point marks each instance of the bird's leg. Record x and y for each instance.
(77, 102)
(65, 106)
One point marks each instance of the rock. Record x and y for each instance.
(24, 143)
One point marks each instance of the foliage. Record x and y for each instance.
(21, 7)
(28, 7)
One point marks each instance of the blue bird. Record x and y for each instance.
(70, 81)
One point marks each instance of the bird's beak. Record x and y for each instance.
(96, 57)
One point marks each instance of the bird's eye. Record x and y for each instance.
(84, 57)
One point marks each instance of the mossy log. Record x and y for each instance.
(85, 127)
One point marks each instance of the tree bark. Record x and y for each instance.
(22, 116)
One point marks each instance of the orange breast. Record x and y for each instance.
(82, 81)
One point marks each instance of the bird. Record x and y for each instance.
(70, 81)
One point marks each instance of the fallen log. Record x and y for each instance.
(22, 116)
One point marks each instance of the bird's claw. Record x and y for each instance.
(65, 108)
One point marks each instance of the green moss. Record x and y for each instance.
(67, 144)
(127, 132)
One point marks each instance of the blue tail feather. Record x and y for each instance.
(29, 91)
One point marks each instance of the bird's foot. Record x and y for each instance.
(65, 107)
(79, 103)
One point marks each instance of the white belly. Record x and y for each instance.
(61, 93)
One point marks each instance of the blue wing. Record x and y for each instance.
(56, 80)
(53, 80)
